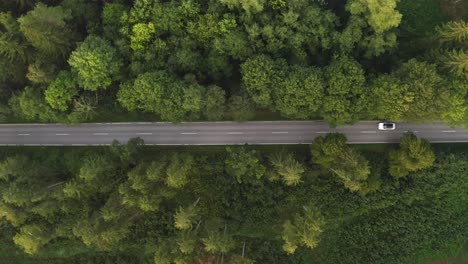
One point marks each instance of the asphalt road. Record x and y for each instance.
(217, 133)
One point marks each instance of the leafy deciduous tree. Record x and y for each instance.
(96, 63)
(414, 154)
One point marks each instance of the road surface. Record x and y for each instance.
(217, 133)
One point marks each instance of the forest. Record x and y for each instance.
(324, 203)
(75, 61)
(187, 60)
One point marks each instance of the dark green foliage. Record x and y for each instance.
(46, 29)
(344, 99)
(154, 204)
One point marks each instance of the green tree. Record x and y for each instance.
(304, 229)
(186, 216)
(300, 94)
(142, 33)
(372, 22)
(96, 63)
(178, 170)
(40, 72)
(31, 105)
(344, 101)
(252, 6)
(351, 168)
(414, 154)
(12, 44)
(453, 31)
(453, 37)
(145, 188)
(287, 168)
(164, 94)
(32, 237)
(244, 164)
(259, 75)
(61, 91)
(46, 29)
(218, 242)
(433, 96)
(391, 98)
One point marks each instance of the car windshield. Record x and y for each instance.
(388, 125)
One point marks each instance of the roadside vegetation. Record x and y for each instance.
(187, 60)
(342, 61)
(327, 203)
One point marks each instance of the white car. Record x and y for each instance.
(387, 126)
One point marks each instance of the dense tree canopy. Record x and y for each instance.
(96, 63)
(337, 61)
(190, 205)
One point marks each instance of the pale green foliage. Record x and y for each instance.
(414, 154)
(180, 166)
(250, 6)
(61, 91)
(288, 168)
(47, 30)
(187, 242)
(185, 217)
(456, 61)
(453, 31)
(12, 214)
(244, 164)
(381, 15)
(141, 35)
(218, 243)
(304, 229)
(96, 63)
(32, 237)
(39, 72)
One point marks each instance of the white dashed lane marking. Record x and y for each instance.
(61, 134)
(279, 132)
(100, 134)
(24, 134)
(188, 133)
